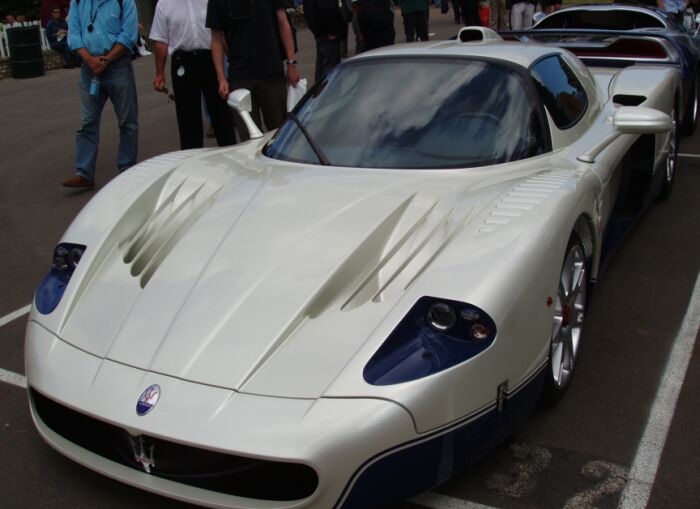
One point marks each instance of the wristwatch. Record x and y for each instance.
(291, 61)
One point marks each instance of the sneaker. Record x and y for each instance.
(79, 182)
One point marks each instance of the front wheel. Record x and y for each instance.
(690, 113)
(671, 156)
(567, 324)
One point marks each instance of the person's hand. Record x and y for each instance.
(159, 83)
(223, 89)
(96, 65)
(292, 75)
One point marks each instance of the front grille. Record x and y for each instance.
(213, 471)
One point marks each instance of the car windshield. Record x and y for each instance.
(413, 113)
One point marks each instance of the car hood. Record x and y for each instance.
(258, 276)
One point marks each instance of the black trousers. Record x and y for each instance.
(457, 9)
(376, 23)
(469, 9)
(415, 24)
(269, 97)
(327, 55)
(194, 76)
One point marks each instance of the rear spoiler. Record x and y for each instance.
(613, 46)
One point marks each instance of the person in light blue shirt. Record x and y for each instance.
(104, 34)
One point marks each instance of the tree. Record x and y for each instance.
(28, 8)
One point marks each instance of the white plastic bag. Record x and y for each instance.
(295, 93)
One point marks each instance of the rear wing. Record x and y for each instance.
(607, 48)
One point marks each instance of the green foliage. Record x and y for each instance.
(29, 8)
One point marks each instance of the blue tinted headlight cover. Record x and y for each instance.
(418, 347)
(50, 290)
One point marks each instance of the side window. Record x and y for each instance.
(560, 90)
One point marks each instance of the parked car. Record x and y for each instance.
(352, 309)
(683, 50)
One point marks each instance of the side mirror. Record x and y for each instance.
(640, 120)
(241, 101)
(630, 120)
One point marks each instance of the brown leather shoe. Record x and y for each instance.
(79, 181)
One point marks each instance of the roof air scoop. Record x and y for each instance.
(478, 34)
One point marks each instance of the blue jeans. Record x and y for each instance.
(116, 83)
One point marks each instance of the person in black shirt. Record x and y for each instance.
(259, 41)
(329, 28)
(375, 21)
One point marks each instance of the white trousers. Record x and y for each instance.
(521, 15)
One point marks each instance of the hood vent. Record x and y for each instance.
(418, 241)
(478, 34)
(180, 209)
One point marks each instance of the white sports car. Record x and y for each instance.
(350, 310)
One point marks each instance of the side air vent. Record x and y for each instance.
(522, 198)
(478, 34)
(628, 100)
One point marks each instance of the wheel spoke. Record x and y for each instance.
(564, 284)
(557, 361)
(578, 276)
(568, 316)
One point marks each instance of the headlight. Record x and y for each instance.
(51, 288)
(435, 335)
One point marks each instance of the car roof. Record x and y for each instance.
(523, 54)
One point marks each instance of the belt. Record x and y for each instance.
(191, 53)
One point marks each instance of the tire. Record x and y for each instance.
(567, 324)
(671, 156)
(690, 113)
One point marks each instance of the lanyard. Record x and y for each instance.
(90, 26)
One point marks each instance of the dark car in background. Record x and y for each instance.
(609, 32)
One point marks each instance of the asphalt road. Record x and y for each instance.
(579, 454)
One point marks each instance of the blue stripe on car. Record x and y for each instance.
(419, 465)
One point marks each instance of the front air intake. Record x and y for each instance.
(214, 471)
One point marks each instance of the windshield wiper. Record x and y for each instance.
(314, 146)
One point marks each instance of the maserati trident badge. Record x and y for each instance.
(148, 399)
(143, 453)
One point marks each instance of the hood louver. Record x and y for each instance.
(158, 235)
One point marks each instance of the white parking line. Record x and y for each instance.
(646, 462)
(689, 155)
(14, 315)
(13, 378)
(437, 501)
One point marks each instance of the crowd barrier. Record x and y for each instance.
(4, 46)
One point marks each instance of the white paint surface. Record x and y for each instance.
(646, 462)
